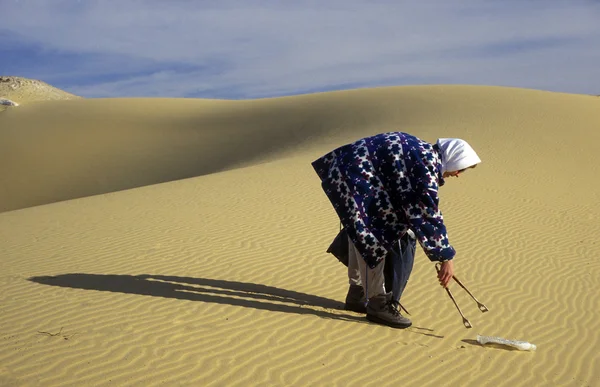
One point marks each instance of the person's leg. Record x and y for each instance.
(403, 265)
(389, 268)
(353, 268)
(372, 280)
(380, 308)
(355, 299)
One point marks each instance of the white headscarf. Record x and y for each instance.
(457, 154)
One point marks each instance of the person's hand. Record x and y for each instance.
(446, 272)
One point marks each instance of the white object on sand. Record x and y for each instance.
(520, 345)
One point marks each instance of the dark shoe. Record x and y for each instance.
(381, 310)
(355, 300)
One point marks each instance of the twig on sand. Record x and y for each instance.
(51, 334)
(59, 333)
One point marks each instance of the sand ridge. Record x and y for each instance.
(206, 264)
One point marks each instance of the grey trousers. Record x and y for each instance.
(359, 273)
(373, 280)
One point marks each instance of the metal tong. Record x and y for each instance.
(482, 307)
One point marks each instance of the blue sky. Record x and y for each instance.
(250, 49)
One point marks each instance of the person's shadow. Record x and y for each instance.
(243, 294)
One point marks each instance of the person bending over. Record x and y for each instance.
(381, 187)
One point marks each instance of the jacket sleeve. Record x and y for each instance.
(427, 222)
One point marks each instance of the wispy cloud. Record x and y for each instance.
(248, 49)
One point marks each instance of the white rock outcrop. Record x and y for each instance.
(7, 102)
(27, 90)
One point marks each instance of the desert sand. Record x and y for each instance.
(167, 242)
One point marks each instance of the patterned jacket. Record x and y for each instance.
(381, 186)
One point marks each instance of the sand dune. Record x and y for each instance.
(62, 150)
(218, 276)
